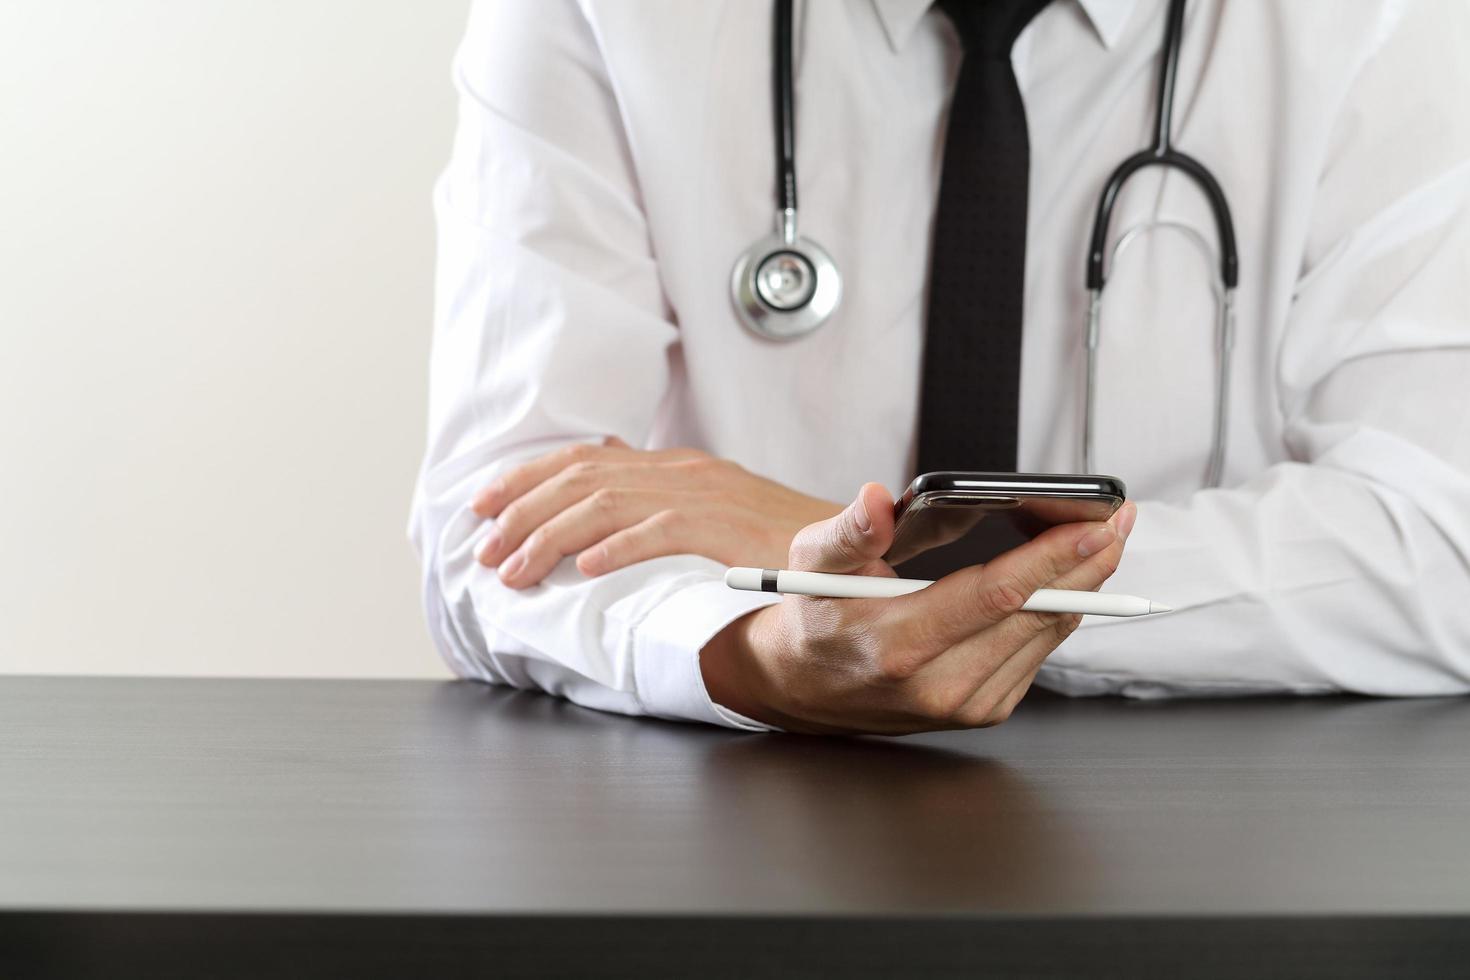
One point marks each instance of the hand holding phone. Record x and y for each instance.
(958, 653)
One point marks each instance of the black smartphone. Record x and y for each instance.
(947, 521)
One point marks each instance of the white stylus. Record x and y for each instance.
(832, 586)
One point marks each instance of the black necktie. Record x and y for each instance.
(968, 407)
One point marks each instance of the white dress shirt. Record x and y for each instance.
(613, 158)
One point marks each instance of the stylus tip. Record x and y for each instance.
(1158, 607)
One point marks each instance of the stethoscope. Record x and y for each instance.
(786, 285)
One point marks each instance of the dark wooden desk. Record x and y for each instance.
(167, 828)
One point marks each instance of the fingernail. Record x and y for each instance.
(860, 515)
(512, 566)
(1125, 521)
(491, 545)
(1096, 540)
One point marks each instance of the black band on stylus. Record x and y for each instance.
(768, 580)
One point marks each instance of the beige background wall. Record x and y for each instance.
(215, 299)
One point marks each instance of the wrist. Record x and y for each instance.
(729, 663)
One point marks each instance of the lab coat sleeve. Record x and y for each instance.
(550, 329)
(1346, 568)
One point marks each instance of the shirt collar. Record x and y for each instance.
(900, 17)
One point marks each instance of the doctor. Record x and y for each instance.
(609, 426)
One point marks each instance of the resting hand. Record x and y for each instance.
(612, 505)
(958, 654)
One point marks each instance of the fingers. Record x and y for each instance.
(1038, 634)
(967, 601)
(664, 532)
(575, 483)
(985, 711)
(982, 678)
(854, 539)
(1124, 519)
(991, 702)
(583, 524)
(520, 480)
(510, 485)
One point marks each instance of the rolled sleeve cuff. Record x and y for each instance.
(666, 647)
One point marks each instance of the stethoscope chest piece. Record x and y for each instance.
(784, 289)
(784, 286)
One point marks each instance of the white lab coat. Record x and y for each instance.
(613, 159)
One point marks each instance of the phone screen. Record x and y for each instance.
(948, 521)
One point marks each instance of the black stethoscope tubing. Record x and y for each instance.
(1163, 154)
(783, 92)
(765, 303)
(1160, 154)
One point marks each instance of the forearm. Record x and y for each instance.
(1310, 579)
(626, 641)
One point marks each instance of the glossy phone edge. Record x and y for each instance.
(1085, 485)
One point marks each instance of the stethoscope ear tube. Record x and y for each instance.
(1225, 343)
(1163, 154)
(1219, 206)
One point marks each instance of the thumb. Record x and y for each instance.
(852, 540)
(616, 443)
